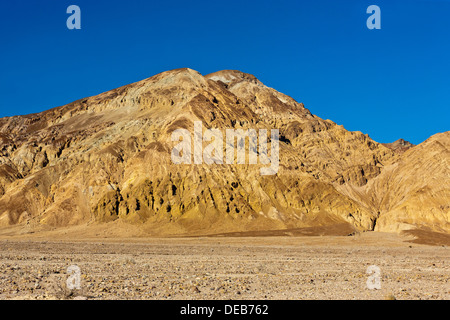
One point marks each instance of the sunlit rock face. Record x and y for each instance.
(107, 158)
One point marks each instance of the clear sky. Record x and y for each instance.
(390, 83)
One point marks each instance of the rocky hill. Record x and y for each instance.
(107, 158)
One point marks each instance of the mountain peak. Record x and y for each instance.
(179, 76)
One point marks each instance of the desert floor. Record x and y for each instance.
(225, 267)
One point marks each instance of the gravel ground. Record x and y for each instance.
(225, 268)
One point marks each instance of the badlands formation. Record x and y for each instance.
(105, 162)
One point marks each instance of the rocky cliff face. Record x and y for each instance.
(108, 158)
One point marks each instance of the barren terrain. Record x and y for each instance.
(223, 267)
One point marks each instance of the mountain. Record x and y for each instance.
(108, 159)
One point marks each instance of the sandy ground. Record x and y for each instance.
(283, 267)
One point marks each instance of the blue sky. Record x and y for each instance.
(390, 83)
